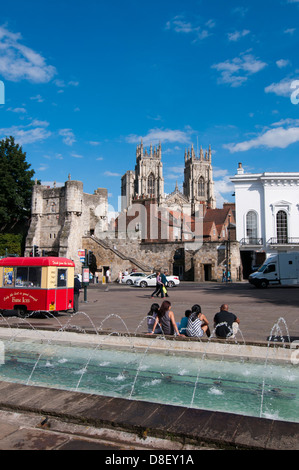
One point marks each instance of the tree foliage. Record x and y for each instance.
(10, 244)
(15, 185)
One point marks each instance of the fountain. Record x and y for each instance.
(224, 376)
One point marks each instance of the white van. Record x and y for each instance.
(281, 269)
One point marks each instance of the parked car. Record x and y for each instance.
(150, 281)
(130, 278)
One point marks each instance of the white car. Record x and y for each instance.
(130, 278)
(150, 281)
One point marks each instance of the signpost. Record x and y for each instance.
(81, 254)
(84, 258)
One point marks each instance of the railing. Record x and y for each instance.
(283, 241)
(251, 241)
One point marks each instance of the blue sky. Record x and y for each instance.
(85, 80)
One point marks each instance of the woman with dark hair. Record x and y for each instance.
(151, 317)
(166, 320)
(198, 324)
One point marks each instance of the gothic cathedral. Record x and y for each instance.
(147, 180)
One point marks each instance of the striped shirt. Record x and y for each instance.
(194, 327)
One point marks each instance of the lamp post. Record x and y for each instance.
(228, 256)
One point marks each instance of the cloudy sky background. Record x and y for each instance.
(85, 81)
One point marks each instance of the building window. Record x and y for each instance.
(251, 226)
(201, 186)
(282, 227)
(151, 184)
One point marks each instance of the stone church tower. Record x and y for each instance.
(61, 216)
(198, 179)
(147, 181)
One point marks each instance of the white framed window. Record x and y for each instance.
(282, 226)
(251, 226)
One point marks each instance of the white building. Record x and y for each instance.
(267, 215)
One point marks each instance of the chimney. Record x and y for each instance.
(240, 169)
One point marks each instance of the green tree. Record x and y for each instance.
(15, 186)
(10, 244)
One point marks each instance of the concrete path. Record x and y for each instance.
(123, 309)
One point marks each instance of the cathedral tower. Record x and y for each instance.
(147, 181)
(198, 179)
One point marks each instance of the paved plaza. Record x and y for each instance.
(123, 308)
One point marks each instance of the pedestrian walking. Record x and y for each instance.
(164, 284)
(159, 286)
(77, 287)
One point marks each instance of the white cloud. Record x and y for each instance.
(282, 88)
(26, 134)
(180, 25)
(43, 167)
(238, 35)
(236, 71)
(18, 110)
(62, 84)
(175, 172)
(290, 31)
(37, 98)
(19, 62)
(154, 136)
(51, 184)
(222, 186)
(69, 137)
(281, 63)
(110, 173)
(218, 172)
(94, 143)
(38, 123)
(76, 155)
(240, 11)
(280, 137)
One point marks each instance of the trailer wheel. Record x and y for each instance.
(21, 312)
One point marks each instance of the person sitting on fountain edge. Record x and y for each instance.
(226, 324)
(166, 320)
(151, 317)
(197, 323)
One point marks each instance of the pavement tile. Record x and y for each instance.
(31, 439)
(253, 432)
(106, 410)
(163, 417)
(191, 423)
(7, 428)
(80, 444)
(221, 428)
(137, 414)
(283, 436)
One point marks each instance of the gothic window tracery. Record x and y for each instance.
(151, 184)
(201, 186)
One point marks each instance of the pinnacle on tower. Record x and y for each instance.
(201, 153)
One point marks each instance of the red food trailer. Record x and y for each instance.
(36, 284)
